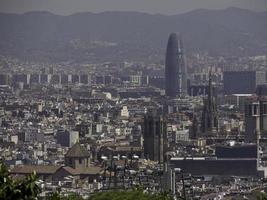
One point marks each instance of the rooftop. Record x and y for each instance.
(77, 151)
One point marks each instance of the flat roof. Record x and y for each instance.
(242, 95)
(208, 158)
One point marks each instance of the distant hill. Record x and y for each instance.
(110, 36)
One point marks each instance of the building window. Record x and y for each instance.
(80, 161)
(265, 108)
(255, 109)
(250, 110)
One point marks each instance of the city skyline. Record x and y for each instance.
(128, 105)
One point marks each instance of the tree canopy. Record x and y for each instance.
(11, 189)
(262, 196)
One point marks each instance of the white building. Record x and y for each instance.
(124, 112)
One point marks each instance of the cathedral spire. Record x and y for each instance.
(210, 93)
(209, 121)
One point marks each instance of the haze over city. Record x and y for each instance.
(133, 99)
(168, 7)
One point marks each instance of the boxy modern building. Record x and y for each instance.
(242, 82)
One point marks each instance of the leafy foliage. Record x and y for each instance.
(17, 189)
(262, 196)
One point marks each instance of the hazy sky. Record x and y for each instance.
(66, 7)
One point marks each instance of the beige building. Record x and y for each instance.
(77, 165)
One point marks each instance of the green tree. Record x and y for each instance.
(54, 196)
(25, 189)
(262, 196)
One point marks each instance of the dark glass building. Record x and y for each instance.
(55, 79)
(84, 79)
(44, 78)
(242, 82)
(4, 79)
(175, 68)
(20, 78)
(75, 78)
(64, 79)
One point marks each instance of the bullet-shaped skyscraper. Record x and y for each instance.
(175, 67)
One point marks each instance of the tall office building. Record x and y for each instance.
(242, 82)
(64, 79)
(67, 138)
(55, 79)
(44, 79)
(75, 78)
(256, 116)
(20, 78)
(155, 137)
(209, 121)
(256, 125)
(175, 67)
(5, 79)
(84, 79)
